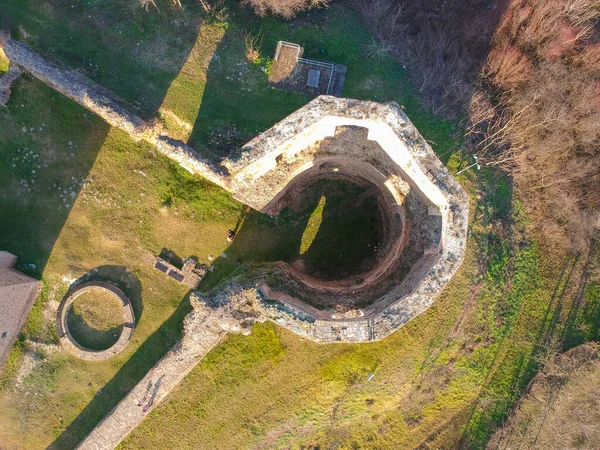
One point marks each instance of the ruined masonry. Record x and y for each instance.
(70, 343)
(423, 209)
(204, 328)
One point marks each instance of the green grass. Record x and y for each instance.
(447, 377)
(313, 225)
(3, 65)
(95, 320)
(340, 236)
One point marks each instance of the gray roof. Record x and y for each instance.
(17, 294)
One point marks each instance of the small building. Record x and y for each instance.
(17, 294)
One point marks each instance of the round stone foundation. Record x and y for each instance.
(422, 210)
(67, 339)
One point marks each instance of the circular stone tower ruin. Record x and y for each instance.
(424, 213)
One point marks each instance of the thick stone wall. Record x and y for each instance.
(77, 88)
(105, 104)
(398, 161)
(203, 328)
(6, 82)
(269, 162)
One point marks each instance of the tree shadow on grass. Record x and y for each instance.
(508, 380)
(112, 44)
(33, 214)
(583, 321)
(136, 367)
(237, 103)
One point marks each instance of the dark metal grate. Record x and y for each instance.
(176, 276)
(160, 266)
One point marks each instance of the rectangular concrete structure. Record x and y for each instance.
(17, 294)
(313, 78)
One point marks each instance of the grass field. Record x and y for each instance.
(561, 409)
(77, 195)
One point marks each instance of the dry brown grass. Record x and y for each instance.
(561, 410)
(283, 8)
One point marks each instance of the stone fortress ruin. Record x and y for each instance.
(424, 216)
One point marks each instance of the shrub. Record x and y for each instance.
(442, 44)
(253, 42)
(508, 67)
(563, 41)
(146, 4)
(283, 8)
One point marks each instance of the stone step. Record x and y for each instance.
(337, 80)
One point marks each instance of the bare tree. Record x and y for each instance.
(283, 8)
(538, 113)
(146, 4)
